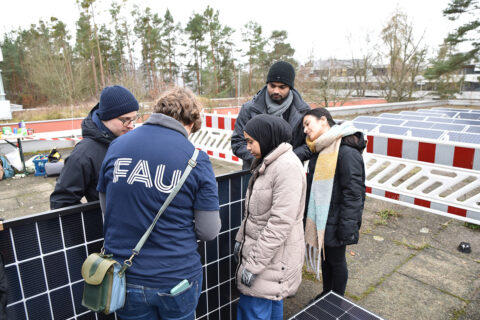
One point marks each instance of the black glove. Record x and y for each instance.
(236, 251)
(247, 277)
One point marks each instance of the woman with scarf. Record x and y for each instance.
(336, 196)
(270, 244)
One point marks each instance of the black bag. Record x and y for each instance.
(54, 156)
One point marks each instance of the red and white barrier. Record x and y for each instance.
(455, 154)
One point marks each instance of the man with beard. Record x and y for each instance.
(279, 98)
(112, 117)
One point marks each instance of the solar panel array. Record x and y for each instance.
(43, 256)
(444, 124)
(332, 307)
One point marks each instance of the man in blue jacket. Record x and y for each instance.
(113, 116)
(279, 98)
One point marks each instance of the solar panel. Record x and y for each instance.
(366, 119)
(409, 117)
(448, 126)
(43, 255)
(390, 115)
(465, 121)
(468, 115)
(437, 119)
(364, 126)
(332, 307)
(418, 124)
(393, 130)
(473, 129)
(390, 121)
(464, 137)
(426, 133)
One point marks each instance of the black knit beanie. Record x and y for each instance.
(115, 101)
(283, 72)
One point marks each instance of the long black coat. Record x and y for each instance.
(348, 193)
(79, 176)
(258, 106)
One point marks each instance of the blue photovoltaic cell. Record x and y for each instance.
(364, 126)
(333, 306)
(466, 115)
(473, 129)
(464, 137)
(426, 133)
(390, 115)
(440, 120)
(366, 119)
(466, 121)
(408, 117)
(393, 130)
(393, 122)
(448, 126)
(418, 124)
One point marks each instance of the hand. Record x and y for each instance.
(236, 251)
(247, 277)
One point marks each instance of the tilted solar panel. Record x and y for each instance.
(418, 124)
(473, 129)
(464, 137)
(426, 133)
(449, 127)
(441, 120)
(468, 115)
(466, 121)
(367, 119)
(333, 307)
(394, 122)
(364, 126)
(393, 130)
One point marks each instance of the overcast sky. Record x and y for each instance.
(328, 28)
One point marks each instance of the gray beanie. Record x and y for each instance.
(115, 101)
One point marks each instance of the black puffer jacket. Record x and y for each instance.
(348, 194)
(258, 106)
(79, 176)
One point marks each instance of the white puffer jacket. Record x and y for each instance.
(271, 234)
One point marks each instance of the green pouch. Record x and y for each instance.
(104, 289)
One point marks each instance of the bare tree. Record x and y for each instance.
(402, 59)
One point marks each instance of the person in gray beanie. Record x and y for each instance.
(113, 116)
(278, 98)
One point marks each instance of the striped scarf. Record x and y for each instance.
(327, 145)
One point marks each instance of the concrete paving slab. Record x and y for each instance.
(402, 298)
(472, 310)
(372, 263)
(444, 271)
(453, 233)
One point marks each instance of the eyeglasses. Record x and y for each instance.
(127, 121)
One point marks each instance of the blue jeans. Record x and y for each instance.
(143, 303)
(250, 308)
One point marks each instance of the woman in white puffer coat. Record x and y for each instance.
(270, 244)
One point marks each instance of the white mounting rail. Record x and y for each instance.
(445, 190)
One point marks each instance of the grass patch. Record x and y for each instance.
(404, 243)
(385, 216)
(471, 226)
(308, 275)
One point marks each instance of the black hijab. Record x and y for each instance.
(269, 131)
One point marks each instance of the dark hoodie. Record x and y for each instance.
(348, 193)
(79, 176)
